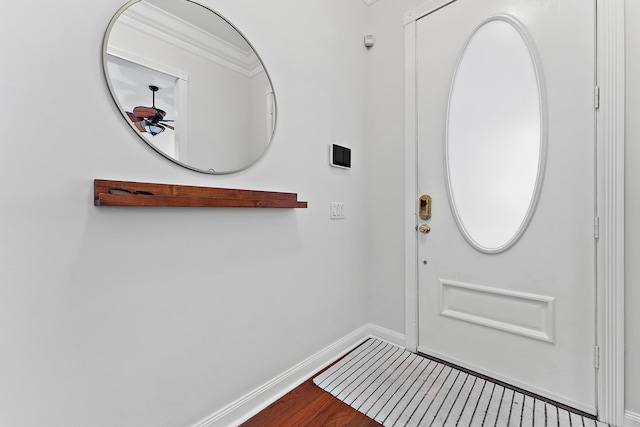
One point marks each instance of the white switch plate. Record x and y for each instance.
(336, 210)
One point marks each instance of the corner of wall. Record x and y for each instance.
(253, 402)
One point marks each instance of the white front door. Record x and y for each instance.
(506, 266)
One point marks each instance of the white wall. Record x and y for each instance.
(159, 317)
(632, 208)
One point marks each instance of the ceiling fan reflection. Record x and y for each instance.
(150, 119)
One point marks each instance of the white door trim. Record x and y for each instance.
(610, 137)
(411, 190)
(610, 143)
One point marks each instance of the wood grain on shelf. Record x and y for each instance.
(132, 193)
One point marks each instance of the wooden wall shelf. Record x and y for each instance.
(128, 193)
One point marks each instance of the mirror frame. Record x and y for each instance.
(542, 155)
(123, 113)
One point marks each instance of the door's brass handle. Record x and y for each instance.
(425, 207)
(424, 229)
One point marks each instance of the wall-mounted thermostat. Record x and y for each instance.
(340, 157)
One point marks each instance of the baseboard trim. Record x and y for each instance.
(375, 331)
(631, 419)
(253, 402)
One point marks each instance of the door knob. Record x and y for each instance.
(424, 229)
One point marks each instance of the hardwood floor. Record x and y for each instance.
(309, 406)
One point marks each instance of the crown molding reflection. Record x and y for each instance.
(164, 26)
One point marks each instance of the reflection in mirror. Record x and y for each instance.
(495, 138)
(189, 84)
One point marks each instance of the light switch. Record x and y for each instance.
(336, 210)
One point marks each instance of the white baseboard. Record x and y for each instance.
(250, 404)
(631, 419)
(385, 334)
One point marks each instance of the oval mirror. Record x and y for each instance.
(189, 84)
(495, 142)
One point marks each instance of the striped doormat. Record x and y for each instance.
(398, 388)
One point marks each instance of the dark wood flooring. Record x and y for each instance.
(309, 406)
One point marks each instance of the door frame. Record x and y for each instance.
(610, 123)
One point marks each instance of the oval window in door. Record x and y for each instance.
(495, 142)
